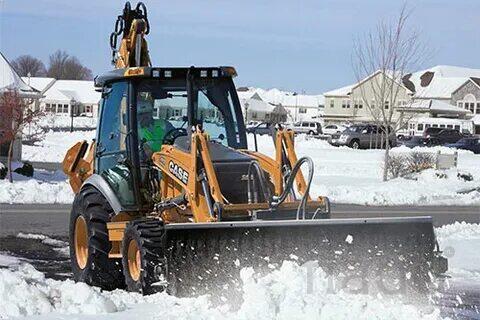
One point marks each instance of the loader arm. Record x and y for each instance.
(284, 151)
(133, 50)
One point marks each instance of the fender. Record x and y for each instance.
(99, 183)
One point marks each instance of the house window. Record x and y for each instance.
(460, 104)
(449, 126)
(420, 127)
(302, 110)
(47, 107)
(387, 104)
(65, 108)
(254, 115)
(332, 103)
(54, 107)
(477, 111)
(457, 127)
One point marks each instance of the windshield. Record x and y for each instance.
(355, 129)
(162, 112)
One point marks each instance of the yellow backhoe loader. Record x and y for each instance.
(169, 197)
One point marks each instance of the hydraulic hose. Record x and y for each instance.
(276, 201)
(253, 198)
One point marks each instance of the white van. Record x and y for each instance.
(417, 126)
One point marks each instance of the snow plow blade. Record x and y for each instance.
(211, 255)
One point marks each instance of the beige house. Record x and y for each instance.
(441, 91)
(351, 103)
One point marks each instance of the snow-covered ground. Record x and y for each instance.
(54, 146)
(342, 174)
(281, 294)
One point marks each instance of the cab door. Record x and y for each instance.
(111, 155)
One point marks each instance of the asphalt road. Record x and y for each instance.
(52, 219)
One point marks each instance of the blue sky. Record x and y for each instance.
(292, 45)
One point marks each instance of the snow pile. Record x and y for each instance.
(54, 145)
(282, 294)
(35, 191)
(458, 231)
(290, 292)
(25, 291)
(460, 242)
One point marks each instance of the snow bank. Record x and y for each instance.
(35, 191)
(342, 174)
(281, 294)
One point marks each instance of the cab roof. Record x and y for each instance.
(164, 73)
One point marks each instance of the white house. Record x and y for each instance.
(298, 106)
(59, 95)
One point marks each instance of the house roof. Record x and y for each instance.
(9, 79)
(345, 91)
(284, 98)
(437, 106)
(66, 90)
(38, 83)
(441, 81)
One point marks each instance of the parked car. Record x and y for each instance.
(443, 136)
(261, 128)
(308, 127)
(333, 128)
(252, 123)
(364, 136)
(413, 141)
(470, 143)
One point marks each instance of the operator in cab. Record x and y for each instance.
(151, 131)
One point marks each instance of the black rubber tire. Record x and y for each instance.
(149, 238)
(100, 270)
(354, 144)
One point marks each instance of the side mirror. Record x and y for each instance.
(221, 137)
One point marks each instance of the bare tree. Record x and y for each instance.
(384, 57)
(27, 65)
(15, 115)
(62, 66)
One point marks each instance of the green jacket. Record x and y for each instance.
(153, 134)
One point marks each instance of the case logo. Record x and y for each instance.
(178, 172)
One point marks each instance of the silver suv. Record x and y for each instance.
(366, 136)
(308, 127)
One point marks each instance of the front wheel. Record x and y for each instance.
(89, 243)
(144, 265)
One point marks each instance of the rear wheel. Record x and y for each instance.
(355, 144)
(89, 244)
(144, 265)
